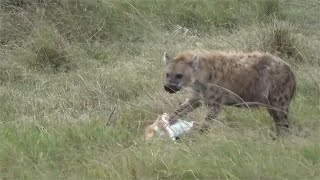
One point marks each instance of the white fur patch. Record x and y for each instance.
(176, 129)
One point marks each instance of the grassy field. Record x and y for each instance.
(80, 80)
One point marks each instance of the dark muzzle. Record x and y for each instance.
(172, 88)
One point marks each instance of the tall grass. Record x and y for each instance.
(80, 80)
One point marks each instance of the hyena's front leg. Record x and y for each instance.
(214, 110)
(189, 105)
(214, 107)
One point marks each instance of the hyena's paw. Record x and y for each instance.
(283, 131)
(205, 127)
(200, 127)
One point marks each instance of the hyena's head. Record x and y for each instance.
(180, 71)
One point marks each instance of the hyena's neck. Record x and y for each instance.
(198, 86)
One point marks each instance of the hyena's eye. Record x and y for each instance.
(179, 76)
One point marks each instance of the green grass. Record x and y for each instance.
(80, 80)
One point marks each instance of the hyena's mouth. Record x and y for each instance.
(172, 88)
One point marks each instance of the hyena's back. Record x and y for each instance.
(250, 77)
(275, 80)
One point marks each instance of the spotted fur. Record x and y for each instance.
(233, 79)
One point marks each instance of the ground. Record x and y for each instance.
(80, 79)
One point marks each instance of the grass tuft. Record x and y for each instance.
(284, 43)
(51, 51)
(270, 7)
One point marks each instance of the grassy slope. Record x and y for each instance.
(65, 68)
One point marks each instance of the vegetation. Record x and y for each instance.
(80, 79)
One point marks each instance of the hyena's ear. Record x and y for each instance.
(195, 61)
(166, 58)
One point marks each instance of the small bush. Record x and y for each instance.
(51, 51)
(283, 43)
(278, 38)
(269, 7)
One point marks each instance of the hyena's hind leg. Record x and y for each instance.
(280, 98)
(279, 112)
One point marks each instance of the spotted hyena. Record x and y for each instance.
(233, 79)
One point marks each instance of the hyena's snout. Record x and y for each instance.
(172, 88)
